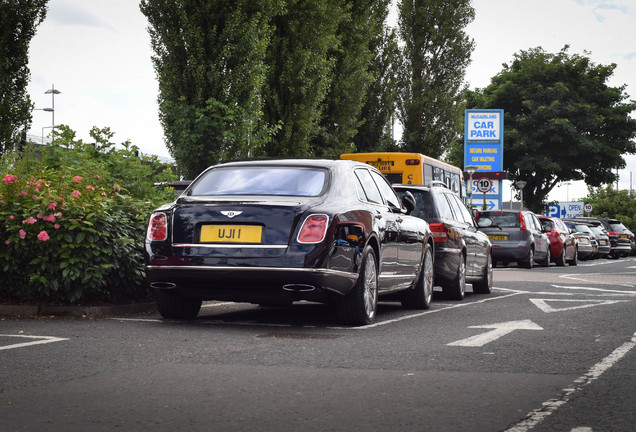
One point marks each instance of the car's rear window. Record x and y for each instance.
(617, 226)
(287, 181)
(424, 206)
(502, 219)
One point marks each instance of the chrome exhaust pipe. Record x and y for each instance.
(298, 287)
(163, 285)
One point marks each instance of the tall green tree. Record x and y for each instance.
(436, 53)
(562, 121)
(361, 27)
(209, 57)
(300, 72)
(18, 22)
(378, 112)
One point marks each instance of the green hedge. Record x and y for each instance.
(73, 219)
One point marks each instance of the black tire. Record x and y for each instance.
(528, 262)
(560, 261)
(574, 261)
(546, 261)
(484, 286)
(173, 306)
(421, 295)
(457, 288)
(359, 306)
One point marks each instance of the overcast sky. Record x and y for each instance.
(97, 54)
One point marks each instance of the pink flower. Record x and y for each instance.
(11, 217)
(30, 220)
(7, 242)
(76, 194)
(10, 178)
(52, 205)
(25, 193)
(43, 236)
(89, 187)
(49, 218)
(39, 215)
(22, 234)
(58, 215)
(56, 226)
(77, 179)
(37, 187)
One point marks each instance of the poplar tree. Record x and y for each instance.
(18, 22)
(209, 57)
(436, 53)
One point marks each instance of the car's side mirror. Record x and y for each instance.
(409, 202)
(484, 222)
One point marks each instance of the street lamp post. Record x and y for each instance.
(521, 184)
(470, 169)
(52, 91)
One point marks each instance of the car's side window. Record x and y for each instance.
(444, 207)
(464, 211)
(387, 191)
(370, 189)
(457, 212)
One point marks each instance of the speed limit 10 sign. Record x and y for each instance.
(484, 185)
(587, 208)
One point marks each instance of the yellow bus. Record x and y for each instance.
(413, 168)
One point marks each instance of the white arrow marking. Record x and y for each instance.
(543, 304)
(40, 340)
(498, 330)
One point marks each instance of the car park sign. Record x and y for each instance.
(566, 209)
(483, 147)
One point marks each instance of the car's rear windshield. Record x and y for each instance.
(617, 226)
(424, 206)
(502, 219)
(286, 181)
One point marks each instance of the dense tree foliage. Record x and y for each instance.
(436, 53)
(209, 57)
(562, 121)
(301, 68)
(18, 21)
(609, 202)
(360, 30)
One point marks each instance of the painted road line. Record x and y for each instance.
(40, 340)
(498, 330)
(548, 408)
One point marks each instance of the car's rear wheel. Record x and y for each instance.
(174, 306)
(359, 306)
(484, 286)
(546, 260)
(421, 295)
(575, 260)
(457, 288)
(529, 261)
(560, 260)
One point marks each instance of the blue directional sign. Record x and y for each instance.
(566, 209)
(483, 144)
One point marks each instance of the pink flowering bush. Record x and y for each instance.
(70, 230)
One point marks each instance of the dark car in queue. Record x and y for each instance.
(274, 232)
(619, 241)
(563, 245)
(516, 235)
(602, 240)
(462, 253)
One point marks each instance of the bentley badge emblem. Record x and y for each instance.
(231, 213)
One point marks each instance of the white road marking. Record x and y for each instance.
(498, 330)
(548, 408)
(40, 340)
(582, 304)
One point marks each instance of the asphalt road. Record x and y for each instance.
(551, 349)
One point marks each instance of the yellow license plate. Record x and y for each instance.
(497, 237)
(231, 234)
(623, 235)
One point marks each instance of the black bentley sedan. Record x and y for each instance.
(274, 232)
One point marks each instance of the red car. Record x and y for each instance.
(563, 244)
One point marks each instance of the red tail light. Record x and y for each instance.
(614, 233)
(158, 227)
(440, 232)
(522, 221)
(314, 229)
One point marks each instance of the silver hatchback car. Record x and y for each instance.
(515, 236)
